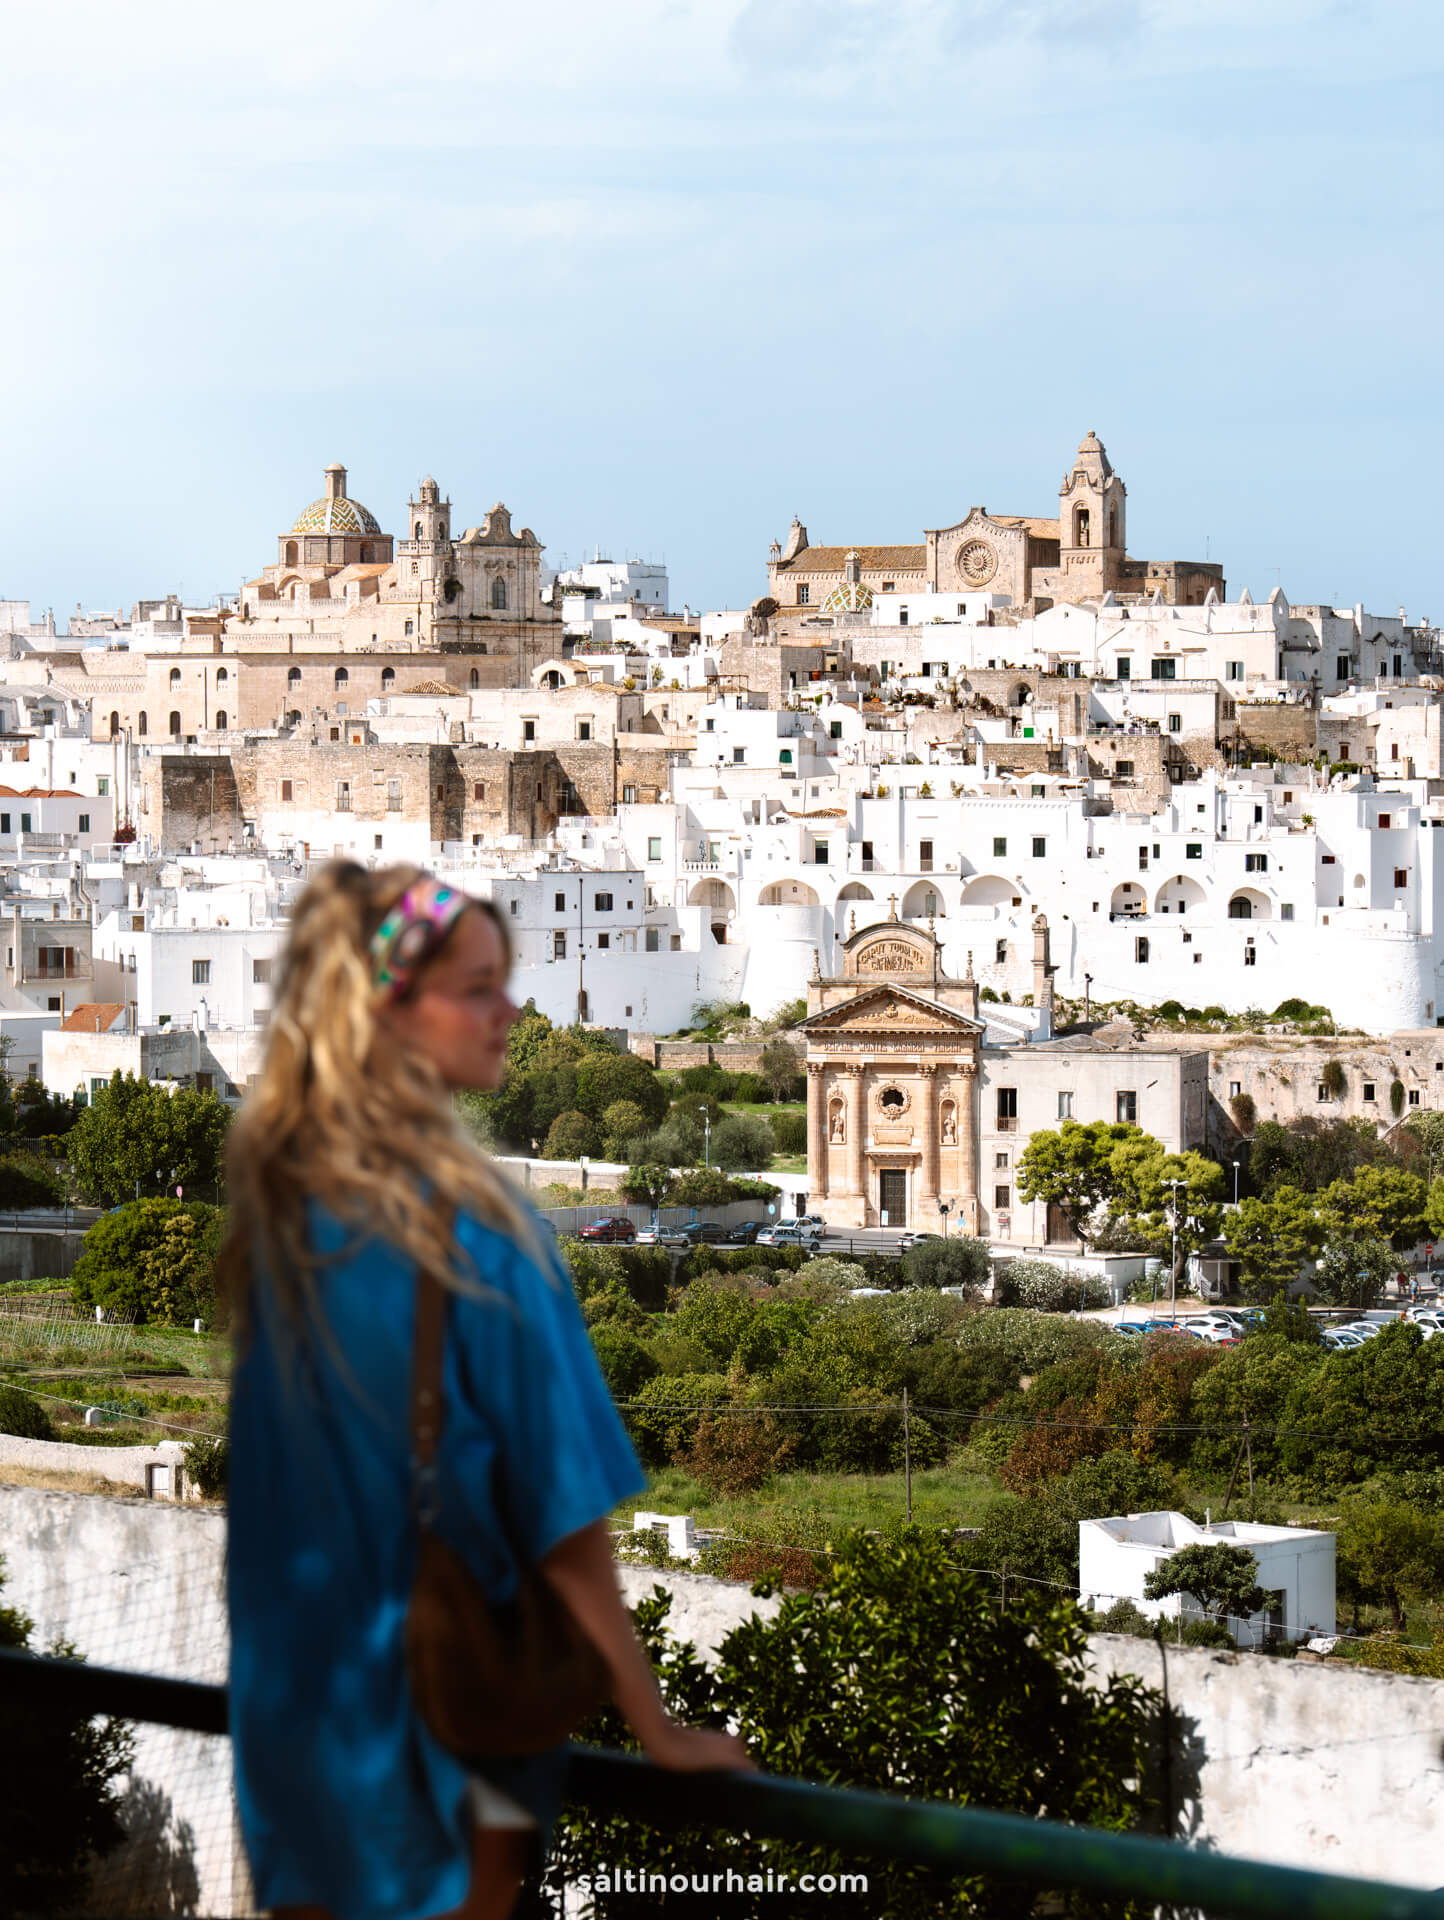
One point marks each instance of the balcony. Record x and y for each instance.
(945, 1838)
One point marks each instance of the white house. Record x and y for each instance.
(1295, 1564)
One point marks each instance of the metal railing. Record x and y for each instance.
(955, 1840)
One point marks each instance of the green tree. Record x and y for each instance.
(622, 1123)
(1271, 1239)
(781, 1068)
(956, 1262)
(1222, 1579)
(60, 1811)
(23, 1415)
(742, 1143)
(26, 1181)
(154, 1259)
(570, 1136)
(1310, 1154)
(1188, 1217)
(1072, 1169)
(1383, 1202)
(900, 1671)
(1385, 1548)
(606, 1077)
(647, 1185)
(1354, 1269)
(626, 1364)
(140, 1134)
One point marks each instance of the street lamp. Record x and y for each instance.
(1087, 998)
(706, 1136)
(944, 1208)
(1237, 1163)
(1173, 1264)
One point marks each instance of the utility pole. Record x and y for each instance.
(581, 912)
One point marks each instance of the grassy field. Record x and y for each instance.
(950, 1496)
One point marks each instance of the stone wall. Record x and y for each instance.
(190, 799)
(1291, 731)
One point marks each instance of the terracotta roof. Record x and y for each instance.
(39, 793)
(1040, 529)
(96, 1016)
(432, 687)
(871, 559)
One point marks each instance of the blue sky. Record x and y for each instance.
(659, 274)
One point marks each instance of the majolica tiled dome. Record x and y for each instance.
(851, 597)
(336, 516)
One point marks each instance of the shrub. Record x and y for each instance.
(26, 1181)
(664, 1421)
(622, 1123)
(626, 1364)
(1124, 1617)
(789, 1132)
(570, 1135)
(736, 1452)
(1046, 1288)
(959, 1262)
(1244, 1111)
(208, 1463)
(742, 1142)
(154, 1259)
(23, 1415)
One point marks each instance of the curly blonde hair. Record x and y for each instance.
(345, 1113)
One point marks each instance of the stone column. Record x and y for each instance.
(816, 1132)
(968, 1146)
(856, 1131)
(927, 1191)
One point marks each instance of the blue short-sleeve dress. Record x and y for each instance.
(345, 1799)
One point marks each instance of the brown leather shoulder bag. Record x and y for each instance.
(487, 1680)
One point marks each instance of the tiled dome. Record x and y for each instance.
(851, 597)
(336, 516)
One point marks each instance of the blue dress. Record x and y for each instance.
(344, 1797)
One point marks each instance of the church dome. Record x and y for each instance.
(336, 515)
(851, 597)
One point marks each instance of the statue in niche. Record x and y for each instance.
(837, 1126)
(950, 1124)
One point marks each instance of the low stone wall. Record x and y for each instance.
(131, 1468)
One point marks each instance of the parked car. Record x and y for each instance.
(1366, 1329)
(615, 1228)
(694, 1234)
(809, 1220)
(649, 1236)
(786, 1235)
(1131, 1327)
(910, 1239)
(745, 1232)
(1341, 1340)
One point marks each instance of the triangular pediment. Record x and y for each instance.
(890, 1009)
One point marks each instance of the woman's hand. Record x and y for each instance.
(684, 1749)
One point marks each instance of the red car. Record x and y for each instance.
(617, 1228)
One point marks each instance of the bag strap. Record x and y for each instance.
(428, 1353)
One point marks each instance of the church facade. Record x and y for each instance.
(1025, 562)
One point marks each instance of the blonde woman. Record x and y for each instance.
(347, 1168)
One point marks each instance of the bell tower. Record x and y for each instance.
(423, 558)
(1092, 529)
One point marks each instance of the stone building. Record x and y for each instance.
(1032, 563)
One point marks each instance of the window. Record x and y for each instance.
(1413, 1091)
(1401, 876)
(175, 724)
(343, 796)
(1140, 950)
(342, 679)
(1040, 847)
(1233, 669)
(602, 902)
(141, 724)
(559, 902)
(1250, 956)
(784, 758)
(559, 944)
(1286, 910)
(474, 677)
(1322, 1092)
(25, 823)
(84, 823)
(175, 676)
(1165, 669)
(1125, 1109)
(528, 729)
(902, 620)
(102, 786)
(1007, 1109)
(393, 794)
(260, 973)
(1000, 1159)
(834, 729)
(1255, 863)
(584, 729)
(867, 859)
(804, 595)
(287, 791)
(335, 733)
(1000, 846)
(1125, 667)
(1037, 791)
(653, 941)
(1175, 723)
(293, 678)
(51, 1006)
(1385, 820)
(478, 791)
(200, 973)
(925, 856)
(1368, 1090)
(739, 755)
(1258, 816)
(654, 847)
(498, 596)
(388, 679)
(1000, 1196)
(1328, 859)
(1065, 1104)
(1343, 666)
(410, 628)
(604, 941)
(675, 943)
(221, 719)
(1124, 769)
(1000, 954)
(629, 796)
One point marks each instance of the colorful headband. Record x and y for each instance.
(412, 931)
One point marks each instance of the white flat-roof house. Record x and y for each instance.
(1115, 1556)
